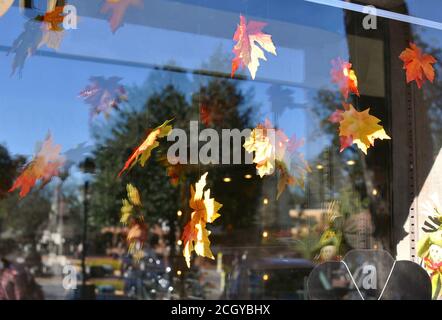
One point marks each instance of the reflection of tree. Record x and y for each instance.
(162, 200)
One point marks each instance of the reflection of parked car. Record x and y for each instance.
(269, 278)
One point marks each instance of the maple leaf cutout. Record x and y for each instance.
(345, 77)
(131, 215)
(133, 201)
(247, 52)
(118, 8)
(260, 143)
(361, 127)
(54, 18)
(5, 5)
(45, 165)
(278, 151)
(195, 236)
(142, 153)
(418, 65)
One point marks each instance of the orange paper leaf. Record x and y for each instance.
(45, 165)
(418, 65)
(53, 18)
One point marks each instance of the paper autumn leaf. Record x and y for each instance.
(336, 117)
(53, 18)
(260, 143)
(361, 127)
(45, 165)
(142, 153)
(247, 52)
(419, 65)
(117, 10)
(136, 237)
(345, 77)
(103, 95)
(274, 149)
(5, 5)
(195, 236)
(130, 205)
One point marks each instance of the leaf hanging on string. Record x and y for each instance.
(195, 236)
(142, 153)
(53, 18)
(360, 128)
(247, 52)
(272, 149)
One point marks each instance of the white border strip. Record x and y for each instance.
(380, 13)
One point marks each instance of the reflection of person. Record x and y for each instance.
(17, 284)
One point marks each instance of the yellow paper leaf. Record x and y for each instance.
(142, 153)
(195, 236)
(133, 195)
(362, 127)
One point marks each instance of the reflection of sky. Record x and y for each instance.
(46, 96)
